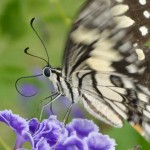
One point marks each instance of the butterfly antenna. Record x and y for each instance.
(26, 51)
(31, 24)
(16, 84)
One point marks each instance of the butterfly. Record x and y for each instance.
(105, 63)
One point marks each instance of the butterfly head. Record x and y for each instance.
(52, 73)
(47, 72)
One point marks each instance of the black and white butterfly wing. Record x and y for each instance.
(106, 36)
(113, 98)
(104, 57)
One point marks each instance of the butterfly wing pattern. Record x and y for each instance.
(105, 58)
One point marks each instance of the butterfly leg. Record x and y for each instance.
(51, 108)
(64, 122)
(57, 95)
(67, 114)
(41, 104)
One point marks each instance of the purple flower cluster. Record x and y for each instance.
(80, 134)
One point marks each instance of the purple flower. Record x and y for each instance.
(80, 134)
(19, 125)
(81, 127)
(97, 141)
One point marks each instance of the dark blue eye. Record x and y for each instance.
(46, 72)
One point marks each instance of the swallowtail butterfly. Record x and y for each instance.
(105, 62)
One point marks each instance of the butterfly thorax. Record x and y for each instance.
(61, 84)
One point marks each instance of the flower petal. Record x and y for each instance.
(19, 125)
(72, 143)
(82, 127)
(97, 141)
(33, 125)
(42, 145)
(52, 130)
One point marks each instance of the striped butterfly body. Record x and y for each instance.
(105, 61)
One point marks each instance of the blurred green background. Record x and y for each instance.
(53, 20)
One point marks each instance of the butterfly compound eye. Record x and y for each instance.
(46, 72)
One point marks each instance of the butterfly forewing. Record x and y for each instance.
(101, 39)
(104, 58)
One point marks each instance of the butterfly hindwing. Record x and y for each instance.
(115, 98)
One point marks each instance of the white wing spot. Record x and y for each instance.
(143, 30)
(135, 45)
(124, 21)
(148, 108)
(146, 113)
(119, 9)
(84, 35)
(142, 2)
(143, 97)
(119, 1)
(95, 64)
(131, 68)
(140, 54)
(146, 14)
(145, 90)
